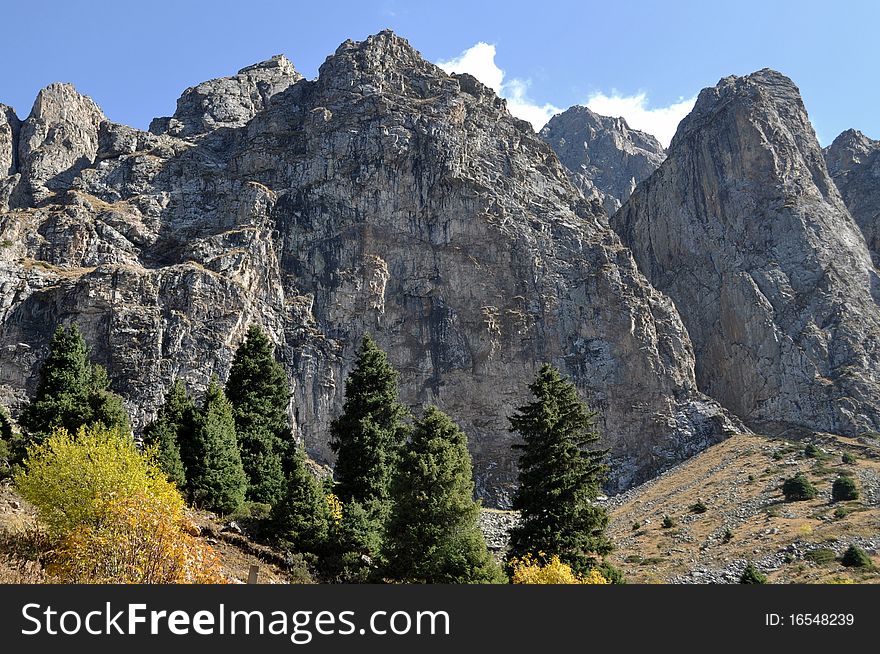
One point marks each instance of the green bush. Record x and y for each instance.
(821, 555)
(844, 489)
(751, 575)
(841, 512)
(798, 488)
(811, 451)
(699, 507)
(636, 526)
(668, 522)
(778, 455)
(848, 458)
(856, 557)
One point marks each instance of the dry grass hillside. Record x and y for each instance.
(738, 483)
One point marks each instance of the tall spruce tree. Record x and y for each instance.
(559, 476)
(433, 532)
(300, 519)
(215, 477)
(368, 435)
(258, 389)
(71, 391)
(173, 426)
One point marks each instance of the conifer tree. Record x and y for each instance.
(259, 392)
(71, 391)
(367, 436)
(300, 519)
(215, 477)
(559, 476)
(433, 533)
(173, 426)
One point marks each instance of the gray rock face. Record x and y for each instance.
(603, 153)
(58, 139)
(854, 163)
(744, 229)
(228, 101)
(386, 196)
(10, 126)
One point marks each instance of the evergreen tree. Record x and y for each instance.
(215, 477)
(367, 436)
(71, 391)
(258, 389)
(559, 476)
(433, 532)
(300, 519)
(173, 426)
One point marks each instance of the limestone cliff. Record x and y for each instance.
(384, 196)
(744, 229)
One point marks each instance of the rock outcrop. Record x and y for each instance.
(58, 139)
(603, 153)
(744, 229)
(854, 163)
(10, 127)
(385, 196)
(228, 101)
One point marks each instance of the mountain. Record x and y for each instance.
(386, 197)
(854, 163)
(744, 229)
(602, 153)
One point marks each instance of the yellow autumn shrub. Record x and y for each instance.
(71, 479)
(112, 512)
(334, 508)
(536, 570)
(140, 540)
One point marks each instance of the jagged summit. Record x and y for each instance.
(228, 101)
(744, 229)
(603, 154)
(853, 160)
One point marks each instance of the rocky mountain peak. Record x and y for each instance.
(57, 140)
(853, 160)
(603, 154)
(228, 101)
(744, 229)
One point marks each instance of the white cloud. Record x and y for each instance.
(479, 61)
(658, 121)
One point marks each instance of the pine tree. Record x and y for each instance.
(174, 425)
(300, 519)
(215, 477)
(367, 436)
(559, 476)
(259, 392)
(71, 391)
(433, 533)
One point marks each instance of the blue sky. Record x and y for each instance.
(645, 60)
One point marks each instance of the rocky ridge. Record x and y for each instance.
(384, 196)
(744, 229)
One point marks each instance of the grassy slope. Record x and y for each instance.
(739, 481)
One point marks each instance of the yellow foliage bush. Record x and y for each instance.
(137, 542)
(334, 508)
(112, 511)
(70, 480)
(534, 570)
